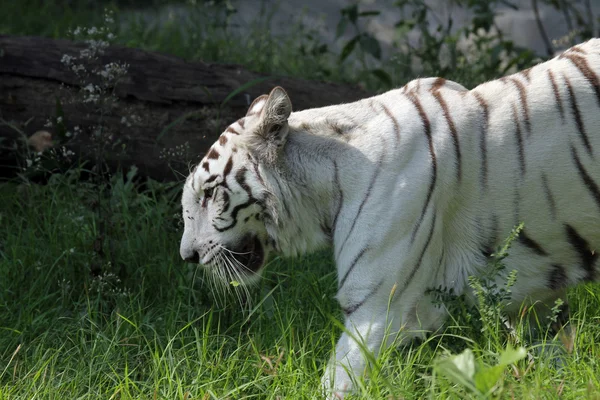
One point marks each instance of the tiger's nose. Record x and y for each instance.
(194, 258)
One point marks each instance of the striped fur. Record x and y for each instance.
(413, 188)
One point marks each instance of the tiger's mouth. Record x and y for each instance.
(250, 254)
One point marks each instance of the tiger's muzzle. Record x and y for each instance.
(249, 254)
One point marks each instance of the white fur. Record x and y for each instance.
(370, 164)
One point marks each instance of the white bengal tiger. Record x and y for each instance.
(413, 189)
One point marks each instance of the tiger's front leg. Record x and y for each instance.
(367, 325)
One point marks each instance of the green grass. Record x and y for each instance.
(96, 304)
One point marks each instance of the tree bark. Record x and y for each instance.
(166, 111)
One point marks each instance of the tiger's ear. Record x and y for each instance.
(272, 129)
(257, 105)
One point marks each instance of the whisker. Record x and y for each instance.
(233, 252)
(235, 273)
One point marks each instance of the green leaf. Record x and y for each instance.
(383, 76)
(511, 356)
(459, 369)
(368, 13)
(348, 47)
(131, 174)
(487, 377)
(465, 362)
(351, 12)
(341, 27)
(245, 86)
(370, 45)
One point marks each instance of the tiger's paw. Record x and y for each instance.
(338, 388)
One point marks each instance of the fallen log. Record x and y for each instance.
(161, 115)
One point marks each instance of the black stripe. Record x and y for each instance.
(228, 167)
(338, 129)
(586, 254)
(240, 178)
(528, 242)
(351, 267)
(420, 259)
(574, 49)
(356, 306)
(257, 172)
(440, 264)
(549, 196)
(427, 129)
(519, 138)
(234, 214)
(375, 175)
(489, 247)
(211, 178)
(583, 67)
(438, 83)
(516, 205)
(577, 116)
(556, 95)
(283, 202)
(557, 279)
(524, 105)
(394, 121)
(418, 264)
(483, 140)
(326, 229)
(493, 238)
(213, 154)
(398, 293)
(587, 179)
(440, 99)
(226, 201)
(336, 182)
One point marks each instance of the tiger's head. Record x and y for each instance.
(226, 207)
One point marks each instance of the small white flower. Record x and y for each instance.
(66, 59)
(85, 53)
(77, 68)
